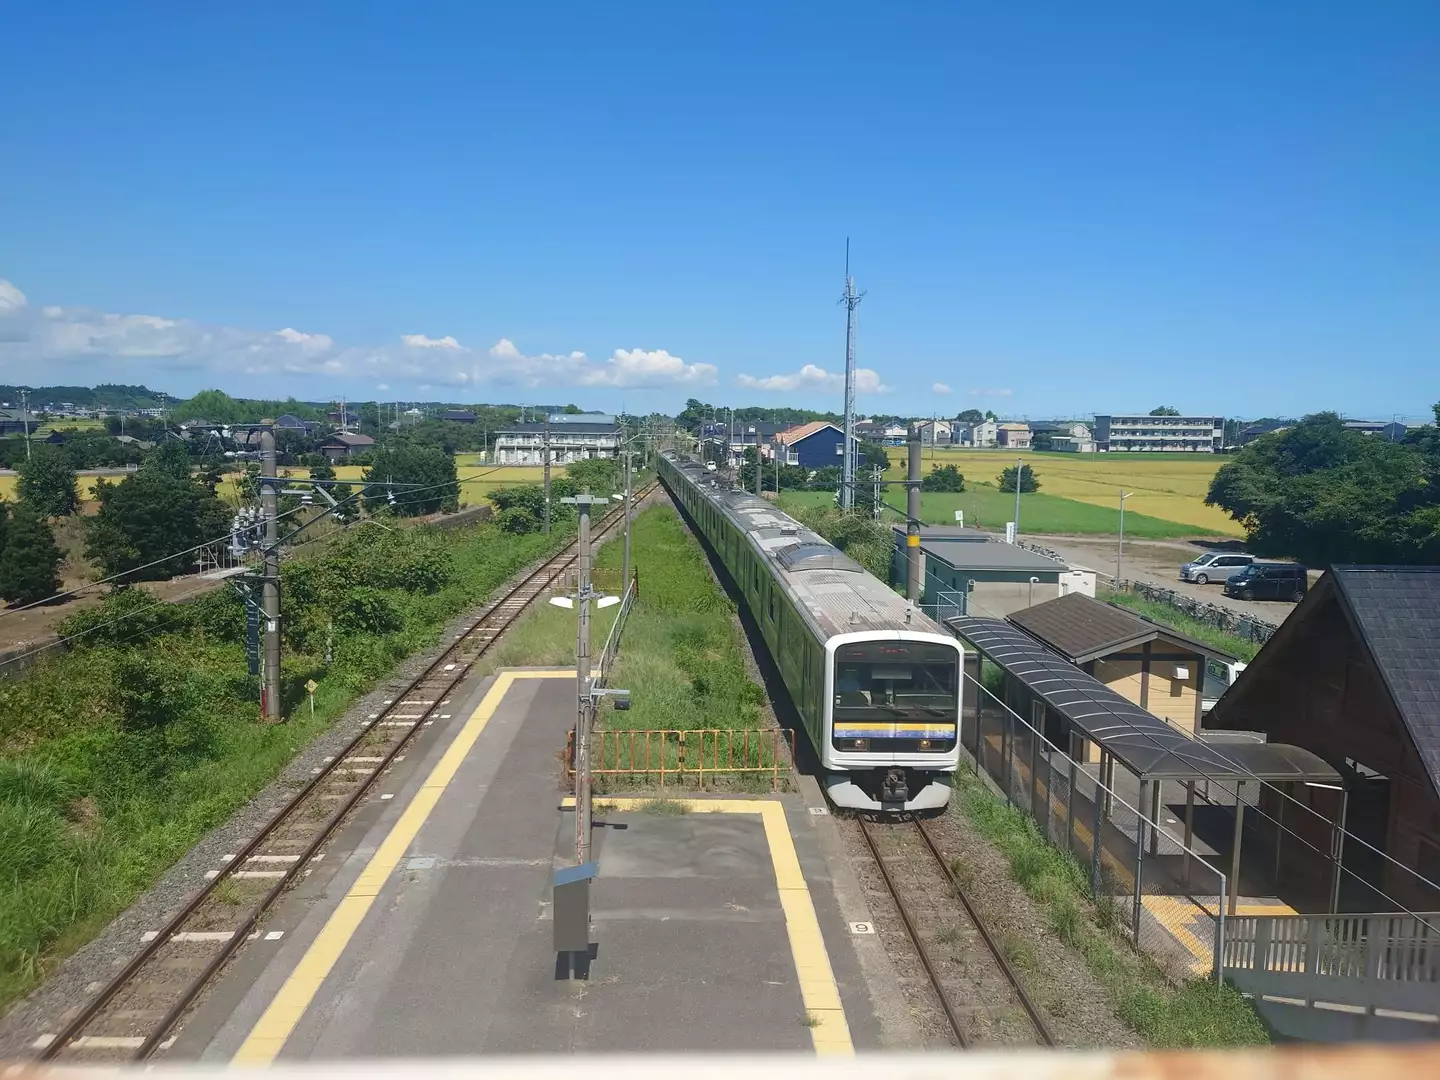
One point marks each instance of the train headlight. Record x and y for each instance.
(925, 744)
(859, 744)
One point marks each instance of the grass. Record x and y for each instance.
(1040, 512)
(1195, 1014)
(665, 807)
(1186, 624)
(1167, 487)
(681, 657)
(116, 758)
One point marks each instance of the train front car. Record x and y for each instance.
(892, 719)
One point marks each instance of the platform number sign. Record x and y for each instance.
(862, 928)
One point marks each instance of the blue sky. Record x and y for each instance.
(1054, 208)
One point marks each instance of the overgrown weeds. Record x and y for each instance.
(1197, 1013)
(116, 757)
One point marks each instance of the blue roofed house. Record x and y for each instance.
(814, 445)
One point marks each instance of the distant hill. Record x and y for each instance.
(104, 396)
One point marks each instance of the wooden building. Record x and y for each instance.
(1157, 668)
(1353, 675)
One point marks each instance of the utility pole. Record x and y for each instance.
(1120, 547)
(875, 474)
(25, 418)
(851, 300)
(1019, 470)
(546, 452)
(270, 595)
(912, 524)
(625, 571)
(585, 704)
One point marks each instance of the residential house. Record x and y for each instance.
(344, 444)
(935, 432)
(16, 422)
(458, 416)
(1013, 436)
(984, 434)
(815, 445)
(569, 440)
(894, 434)
(1389, 430)
(291, 422)
(1250, 432)
(1353, 675)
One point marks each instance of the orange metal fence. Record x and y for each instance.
(673, 754)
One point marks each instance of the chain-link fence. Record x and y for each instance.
(1144, 879)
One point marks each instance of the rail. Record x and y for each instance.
(912, 825)
(132, 1029)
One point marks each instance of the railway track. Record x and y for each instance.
(969, 977)
(133, 1015)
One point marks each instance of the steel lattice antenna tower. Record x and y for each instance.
(851, 300)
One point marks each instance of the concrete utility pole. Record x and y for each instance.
(546, 452)
(912, 524)
(585, 705)
(1120, 547)
(25, 419)
(851, 300)
(1019, 472)
(270, 594)
(625, 566)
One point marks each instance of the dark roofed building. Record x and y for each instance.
(1159, 669)
(1353, 674)
(458, 416)
(967, 571)
(345, 444)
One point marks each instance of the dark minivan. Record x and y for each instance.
(1269, 581)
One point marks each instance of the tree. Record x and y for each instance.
(873, 454)
(1324, 494)
(429, 469)
(149, 516)
(47, 482)
(970, 416)
(1165, 410)
(1028, 480)
(946, 478)
(29, 572)
(1042, 440)
(171, 457)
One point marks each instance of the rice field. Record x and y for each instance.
(476, 481)
(1168, 487)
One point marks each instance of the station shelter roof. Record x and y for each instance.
(1139, 740)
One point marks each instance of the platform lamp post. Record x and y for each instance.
(585, 695)
(1120, 547)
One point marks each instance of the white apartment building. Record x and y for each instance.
(1185, 434)
(524, 444)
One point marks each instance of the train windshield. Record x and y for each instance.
(890, 680)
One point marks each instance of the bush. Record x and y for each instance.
(1028, 480)
(518, 520)
(947, 478)
(370, 611)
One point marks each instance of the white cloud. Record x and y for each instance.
(632, 368)
(811, 377)
(11, 298)
(98, 344)
(939, 388)
(420, 341)
(989, 392)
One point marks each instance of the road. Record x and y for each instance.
(1156, 561)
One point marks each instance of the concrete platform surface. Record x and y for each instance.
(716, 929)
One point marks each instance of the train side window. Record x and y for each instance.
(772, 602)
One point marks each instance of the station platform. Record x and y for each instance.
(716, 922)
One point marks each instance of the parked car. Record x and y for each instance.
(1269, 581)
(1214, 566)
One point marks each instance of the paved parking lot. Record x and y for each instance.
(1157, 561)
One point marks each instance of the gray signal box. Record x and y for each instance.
(571, 907)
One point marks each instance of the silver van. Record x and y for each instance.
(1214, 566)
